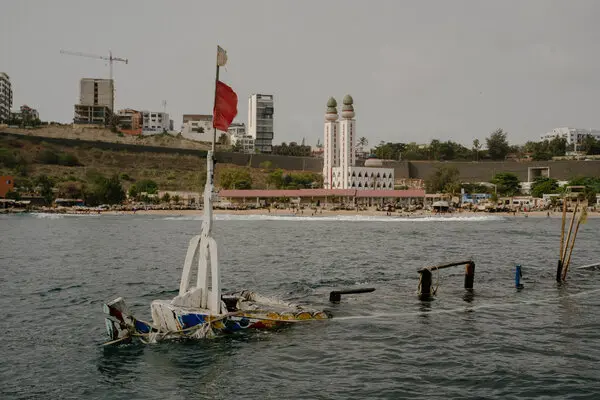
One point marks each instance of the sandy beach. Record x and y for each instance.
(329, 213)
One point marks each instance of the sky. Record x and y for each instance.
(417, 70)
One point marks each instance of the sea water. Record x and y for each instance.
(498, 342)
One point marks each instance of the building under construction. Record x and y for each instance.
(96, 101)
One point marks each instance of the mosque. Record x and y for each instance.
(339, 154)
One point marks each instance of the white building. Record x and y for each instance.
(339, 156)
(198, 127)
(6, 96)
(154, 122)
(260, 121)
(246, 143)
(238, 137)
(573, 135)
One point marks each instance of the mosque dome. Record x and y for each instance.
(348, 108)
(332, 113)
(374, 163)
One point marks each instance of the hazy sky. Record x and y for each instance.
(417, 69)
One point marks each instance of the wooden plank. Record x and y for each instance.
(444, 266)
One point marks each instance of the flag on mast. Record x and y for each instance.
(225, 107)
(221, 56)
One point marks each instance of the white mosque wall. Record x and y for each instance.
(365, 178)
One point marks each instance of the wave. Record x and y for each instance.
(342, 218)
(59, 216)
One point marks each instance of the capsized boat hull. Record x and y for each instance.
(172, 322)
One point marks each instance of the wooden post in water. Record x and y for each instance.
(425, 284)
(562, 241)
(469, 274)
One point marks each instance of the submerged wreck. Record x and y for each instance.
(201, 310)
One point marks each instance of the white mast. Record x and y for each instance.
(201, 296)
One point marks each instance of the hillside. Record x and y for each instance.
(27, 160)
(105, 135)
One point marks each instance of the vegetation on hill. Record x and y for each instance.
(498, 148)
(105, 176)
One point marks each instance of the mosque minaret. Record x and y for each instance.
(339, 155)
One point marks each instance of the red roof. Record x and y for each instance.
(321, 193)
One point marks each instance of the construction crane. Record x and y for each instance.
(110, 60)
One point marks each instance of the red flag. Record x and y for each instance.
(225, 107)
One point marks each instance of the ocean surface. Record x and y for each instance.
(497, 342)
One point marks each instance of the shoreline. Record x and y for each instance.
(309, 213)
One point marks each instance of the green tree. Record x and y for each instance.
(590, 145)
(237, 147)
(592, 186)
(236, 178)
(507, 184)
(102, 190)
(147, 186)
(133, 191)
(389, 151)
(497, 145)
(166, 198)
(177, 199)
(557, 146)
(444, 179)
(275, 178)
(45, 185)
(267, 165)
(544, 185)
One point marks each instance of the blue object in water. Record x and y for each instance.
(518, 276)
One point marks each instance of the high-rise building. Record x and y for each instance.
(6, 96)
(260, 121)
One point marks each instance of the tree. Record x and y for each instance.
(476, 147)
(45, 185)
(223, 139)
(70, 189)
(102, 190)
(590, 145)
(507, 184)
(236, 178)
(389, 151)
(266, 165)
(497, 144)
(444, 179)
(237, 147)
(275, 178)
(166, 198)
(557, 146)
(543, 185)
(176, 199)
(133, 191)
(147, 186)
(592, 186)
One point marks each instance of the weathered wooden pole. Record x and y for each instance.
(564, 255)
(562, 241)
(469, 274)
(425, 284)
